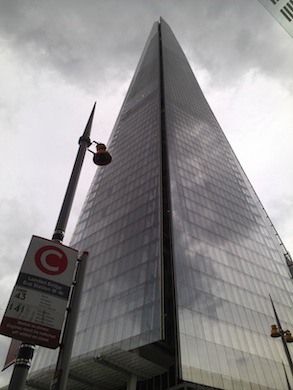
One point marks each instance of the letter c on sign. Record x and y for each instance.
(51, 260)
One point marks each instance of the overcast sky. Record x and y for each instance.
(58, 57)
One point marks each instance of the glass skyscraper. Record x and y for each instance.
(183, 257)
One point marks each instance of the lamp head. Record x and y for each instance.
(102, 156)
(275, 331)
(288, 337)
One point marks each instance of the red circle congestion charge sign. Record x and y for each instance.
(51, 260)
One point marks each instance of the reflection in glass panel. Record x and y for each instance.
(224, 267)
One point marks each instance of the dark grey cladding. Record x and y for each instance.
(173, 165)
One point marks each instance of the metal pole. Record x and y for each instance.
(21, 367)
(84, 143)
(26, 350)
(63, 362)
(283, 338)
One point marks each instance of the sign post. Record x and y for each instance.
(37, 306)
(62, 367)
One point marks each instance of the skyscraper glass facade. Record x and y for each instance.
(182, 255)
(226, 260)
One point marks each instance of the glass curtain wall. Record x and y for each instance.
(226, 257)
(227, 261)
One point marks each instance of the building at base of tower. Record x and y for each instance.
(183, 257)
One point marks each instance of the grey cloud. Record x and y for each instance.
(17, 223)
(233, 36)
(281, 209)
(91, 42)
(82, 41)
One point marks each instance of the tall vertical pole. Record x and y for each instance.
(26, 350)
(21, 366)
(283, 338)
(63, 363)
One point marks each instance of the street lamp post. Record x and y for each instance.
(26, 350)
